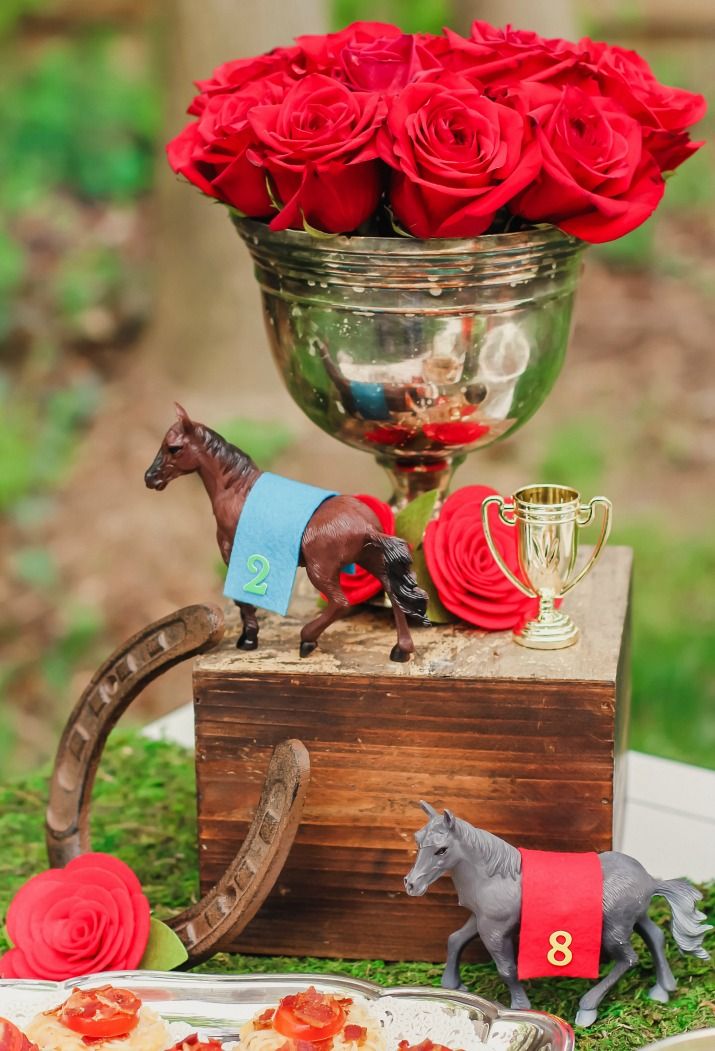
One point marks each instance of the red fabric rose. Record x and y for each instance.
(597, 181)
(457, 157)
(318, 145)
(469, 582)
(89, 916)
(360, 586)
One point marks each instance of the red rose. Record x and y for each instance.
(458, 157)
(318, 145)
(234, 75)
(181, 152)
(360, 586)
(469, 582)
(322, 51)
(218, 153)
(495, 57)
(597, 181)
(89, 916)
(385, 64)
(664, 112)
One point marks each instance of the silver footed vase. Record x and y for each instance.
(417, 351)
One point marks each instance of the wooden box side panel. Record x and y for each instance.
(532, 762)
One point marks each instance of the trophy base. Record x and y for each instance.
(553, 632)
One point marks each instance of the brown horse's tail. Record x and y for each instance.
(687, 927)
(406, 592)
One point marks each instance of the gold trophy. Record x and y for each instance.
(547, 518)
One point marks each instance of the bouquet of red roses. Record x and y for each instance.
(373, 130)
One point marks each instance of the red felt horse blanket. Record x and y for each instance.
(561, 914)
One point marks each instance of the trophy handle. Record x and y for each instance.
(503, 508)
(585, 517)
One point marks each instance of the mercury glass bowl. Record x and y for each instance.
(417, 351)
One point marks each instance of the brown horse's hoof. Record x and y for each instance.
(398, 654)
(306, 648)
(247, 641)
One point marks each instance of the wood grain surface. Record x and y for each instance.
(530, 754)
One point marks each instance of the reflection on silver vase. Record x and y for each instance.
(418, 351)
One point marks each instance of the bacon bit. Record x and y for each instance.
(89, 1040)
(195, 1043)
(312, 1007)
(264, 1021)
(426, 1045)
(355, 1034)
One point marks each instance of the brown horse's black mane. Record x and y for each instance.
(231, 459)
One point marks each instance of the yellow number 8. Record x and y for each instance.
(559, 942)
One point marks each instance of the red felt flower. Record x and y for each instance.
(360, 586)
(468, 580)
(89, 916)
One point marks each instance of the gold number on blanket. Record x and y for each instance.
(560, 942)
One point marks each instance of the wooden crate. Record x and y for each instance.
(522, 743)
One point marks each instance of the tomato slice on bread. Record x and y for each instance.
(13, 1039)
(100, 1014)
(310, 1016)
(195, 1043)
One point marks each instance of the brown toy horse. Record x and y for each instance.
(341, 531)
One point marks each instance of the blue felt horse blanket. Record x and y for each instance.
(266, 546)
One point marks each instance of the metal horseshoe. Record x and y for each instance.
(217, 919)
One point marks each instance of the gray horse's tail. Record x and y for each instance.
(686, 926)
(406, 592)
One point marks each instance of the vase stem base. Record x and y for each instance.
(411, 479)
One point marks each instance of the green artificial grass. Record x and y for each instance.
(144, 812)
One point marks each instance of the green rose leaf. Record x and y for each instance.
(320, 235)
(411, 521)
(436, 612)
(164, 950)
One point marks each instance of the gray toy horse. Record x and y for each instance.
(486, 872)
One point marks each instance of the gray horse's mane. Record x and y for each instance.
(499, 857)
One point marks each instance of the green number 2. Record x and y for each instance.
(259, 565)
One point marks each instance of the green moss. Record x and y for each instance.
(144, 812)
